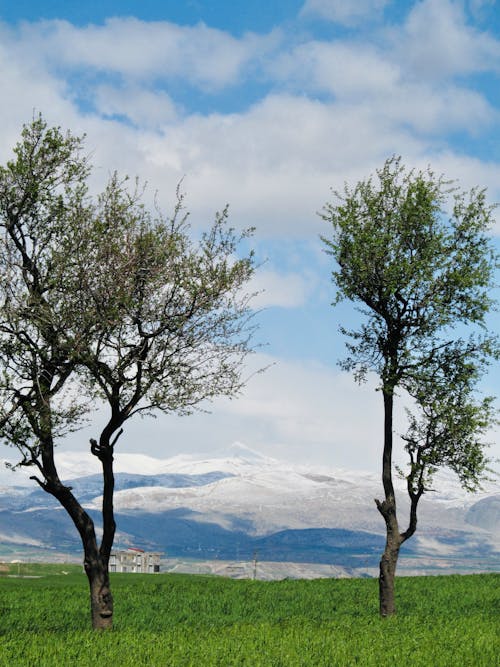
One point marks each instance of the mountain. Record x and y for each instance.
(240, 504)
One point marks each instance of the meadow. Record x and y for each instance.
(203, 621)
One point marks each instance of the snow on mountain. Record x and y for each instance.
(234, 459)
(258, 476)
(273, 495)
(239, 495)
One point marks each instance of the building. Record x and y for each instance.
(135, 560)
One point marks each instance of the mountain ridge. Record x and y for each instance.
(240, 502)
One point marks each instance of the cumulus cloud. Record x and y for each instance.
(148, 51)
(436, 42)
(344, 68)
(333, 111)
(360, 75)
(276, 162)
(27, 84)
(302, 411)
(345, 12)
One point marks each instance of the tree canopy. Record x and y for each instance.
(102, 299)
(413, 252)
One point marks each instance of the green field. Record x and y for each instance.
(202, 621)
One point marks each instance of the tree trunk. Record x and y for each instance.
(388, 563)
(101, 599)
(95, 562)
(387, 509)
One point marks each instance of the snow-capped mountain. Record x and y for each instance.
(240, 501)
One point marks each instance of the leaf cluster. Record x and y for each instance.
(40, 189)
(102, 298)
(449, 422)
(413, 252)
(171, 315)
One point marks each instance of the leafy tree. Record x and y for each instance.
(419, 277)
(104, 300)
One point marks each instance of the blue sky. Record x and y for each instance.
(267, 106)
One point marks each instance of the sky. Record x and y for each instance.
(267, 106)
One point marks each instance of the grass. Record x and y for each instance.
(177, 620)
(22, 569)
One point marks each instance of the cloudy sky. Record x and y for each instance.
(266, 106)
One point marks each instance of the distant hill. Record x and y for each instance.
(243, 503)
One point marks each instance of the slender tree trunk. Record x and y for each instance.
(97, 562)
(387, 509)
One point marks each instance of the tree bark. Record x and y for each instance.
(387, 575)
(97, 569)
(101, 599)
(95, 562)
(387, 509)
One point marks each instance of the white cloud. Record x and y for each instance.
(284, 290)
(437, 111)
(345, 12)
(334, 112)
(296, 411)
(145, 108)
(299, 411)
(361, 75)
(145, 51)
(344, 68)
(274, 162)
(27, 85)
(436, 42)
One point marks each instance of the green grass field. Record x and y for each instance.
(204, 621)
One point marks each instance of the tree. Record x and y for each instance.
(103, 300)
(420, 277)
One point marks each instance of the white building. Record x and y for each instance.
(135, 560)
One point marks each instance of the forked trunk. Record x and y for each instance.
(95, 560)
(101, 599)
(387, 508)
(97, 563)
